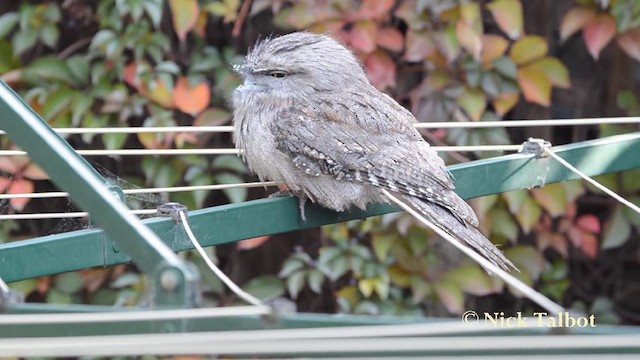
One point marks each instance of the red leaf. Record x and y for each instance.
(419, 46)
(191, 99)
(630, 43)
(586, 242)
(363, 36)
(493, 46)
(598, 32)
(20, 186)
(373, 9)
(252, 243)
(381, 70)
(589, 223)
(469, 39)
(391, 39)
(575, 20)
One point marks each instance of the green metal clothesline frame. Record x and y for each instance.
(151, 243)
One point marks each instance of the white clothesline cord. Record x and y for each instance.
(62, 194)
(134, 315)
(232, 151)
(529, 292)
(591, 181)
(65, 215)
(219, 273)
(421, 125)
(4, 288)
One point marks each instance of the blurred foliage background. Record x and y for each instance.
(98, 63)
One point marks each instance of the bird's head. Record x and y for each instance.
(299, 65)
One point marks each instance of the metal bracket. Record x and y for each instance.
(172, 210)
(8, 298)
(535, 146)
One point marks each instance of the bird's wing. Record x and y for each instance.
(321, 141)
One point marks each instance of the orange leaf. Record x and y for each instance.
(589, 223)
(554, 240)
(363, 36)
(630, 43)
(391, 39)
(20, 186)
(528, 48)
(535, 85)
(505, 102)
(575, 20)
(381, 70)
(493, 47)
(252, 243)
(598, 32)
(469, 39)
(34, 172)
(508, 15)
(554, 70)
(160, 93)
(191, 99)
(184, 14)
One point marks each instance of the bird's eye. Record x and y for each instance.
(277, 74)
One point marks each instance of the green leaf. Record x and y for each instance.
(553, 198)
(79, 69)
(339, 267)
(526, 258)
(290, 266)
(69, 283)
(451, 296)
(617, 230)
(50, 68)
(25, 287)
(528, 48)
(472, 280)
(113, 141)
(57, 297)
(295, 283)
(7, 22)
(474, 102)
(503, 224)
(235, 195)
(49, 34)
(265, 287)
(382, 243)
(229, 162)
(554, 70)
(184, 14)
(508, 15)
(57, 102)
(366, 287)
(506, 67)
(24, 40)
(420, 288)
(316, 278)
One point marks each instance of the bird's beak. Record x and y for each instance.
(242, 69)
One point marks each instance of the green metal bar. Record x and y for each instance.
(73, 174)
(229, 223)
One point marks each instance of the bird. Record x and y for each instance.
(307, 117)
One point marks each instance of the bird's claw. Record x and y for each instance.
(302, 200)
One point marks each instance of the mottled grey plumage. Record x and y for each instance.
(307, 117)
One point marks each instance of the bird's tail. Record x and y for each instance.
(465, 233)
